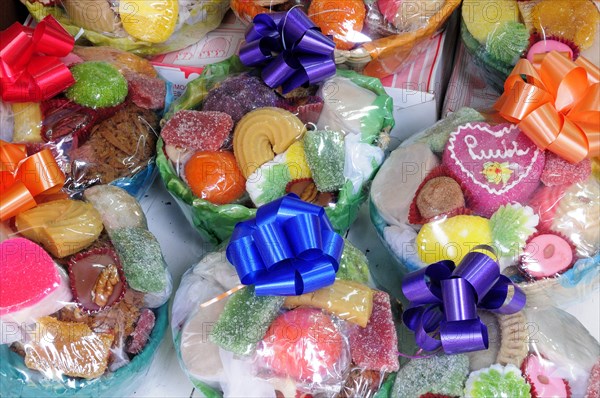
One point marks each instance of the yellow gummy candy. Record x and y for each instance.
(295, 158)
(152, 21)
(27, 122)
(452, 238)
(484, 17)
(575, 20)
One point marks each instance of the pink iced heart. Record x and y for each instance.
(495, 165)
(27, 275)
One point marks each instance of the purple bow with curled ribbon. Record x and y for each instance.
(291, 48)
(444, 300)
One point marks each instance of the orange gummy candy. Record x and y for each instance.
(575, 20)
(215, 176)
(341, 18)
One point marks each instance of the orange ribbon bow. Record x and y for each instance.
(23, 177)
(558, 107)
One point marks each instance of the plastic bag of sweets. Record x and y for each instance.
(331, 336)
(499, 33)
(84, 292)
(376, 37)
(231, 143)
(138, 26)
(538, 352)
(101, 122)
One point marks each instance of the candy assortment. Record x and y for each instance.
(339, 340)
(84, 283)
(499, 34)
(491, 185)
(141, 27)
(231, 144)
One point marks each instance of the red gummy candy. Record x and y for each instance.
(141, 334)
(375, 347)
(198, 130)
(544, 203)
(303, 344)
(593, 390)
(557, 171)
(146, 92)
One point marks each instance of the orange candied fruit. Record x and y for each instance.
(215, 176)
(343, 19)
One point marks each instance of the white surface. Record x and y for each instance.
(183, 247)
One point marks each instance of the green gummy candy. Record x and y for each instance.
(141, 259)
(497, 381)
(97, 85)
(245, 321)
(276, 179)
(442, 374)
(508, 42)
(438, 135)
(353, 265)
(325, 157)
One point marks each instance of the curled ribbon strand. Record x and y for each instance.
(557, 107)
(30, 69)
(291, 48)
(290, 248)
(24, 177)
(444, 299)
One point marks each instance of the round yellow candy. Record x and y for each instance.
(483, 17)
(452, 238)
(152, 21)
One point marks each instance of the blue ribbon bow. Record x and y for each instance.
(291, 47)
(290, 248)
(444, 299)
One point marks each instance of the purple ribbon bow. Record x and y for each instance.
(291, 48)
(444, 299)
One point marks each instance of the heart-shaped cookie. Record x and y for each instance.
(27, 275)
(495, 165)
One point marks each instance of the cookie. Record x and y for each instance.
(495, 165)
(439, 195)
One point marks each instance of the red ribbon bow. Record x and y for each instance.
(30, 69)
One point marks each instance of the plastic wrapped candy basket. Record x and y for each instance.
(374, 37)
(84, 291)
(466, 182)
(230, 144)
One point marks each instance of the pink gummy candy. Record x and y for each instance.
(141, 333)
(544, 203)
(27, 275)
(375, 347)
(197, 130)
(557, 171)
(593, 390)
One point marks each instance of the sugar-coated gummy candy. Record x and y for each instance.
(558, 171)
(141, 258)
(375, 347)
(197, 130)
(593, 390)
(303, 344)
(325, 156)
(441, 374)
(245, 320)
(147, 92)
(239, 95)
(508, 42)
(141, 333)
(353, 265)
(483, 19)
(497, 381)
(97, 85)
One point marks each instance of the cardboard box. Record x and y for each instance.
(419, 89)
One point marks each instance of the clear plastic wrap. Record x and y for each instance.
(373, 36)
(249, 145)
(84, 292)
(139, 26)
(498, 34)
(102, 129)
(466, 182)
(339, 341)
(540, 352)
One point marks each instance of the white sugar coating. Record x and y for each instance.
(441, 374)
(245, 321)
(375, 347)
(361, 160)
(117, 208)
(199, 130)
